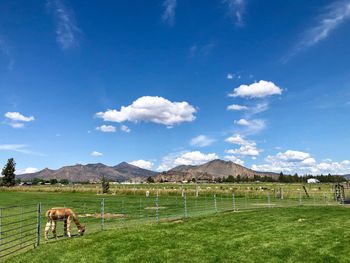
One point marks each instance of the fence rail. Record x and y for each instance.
(21, 227)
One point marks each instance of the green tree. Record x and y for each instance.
(8, 173)
(105, 185)
(53, 181)
(150, 180)
(64, 181)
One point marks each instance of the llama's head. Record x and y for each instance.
(81, 230)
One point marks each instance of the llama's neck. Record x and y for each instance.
(76, 221)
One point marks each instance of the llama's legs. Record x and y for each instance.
(53, 227)
(47, 229)
(69, 226)
(65, 227)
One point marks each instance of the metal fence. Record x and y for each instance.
(21, 227)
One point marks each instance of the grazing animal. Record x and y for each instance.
(64, 214)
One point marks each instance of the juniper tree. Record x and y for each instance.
(8, 173)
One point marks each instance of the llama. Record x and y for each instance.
(65, 214)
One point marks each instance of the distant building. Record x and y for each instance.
(312, 181)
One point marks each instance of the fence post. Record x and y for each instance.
(300, 198)
(157, 212)
(38, 229)
(0, 229)
(233, 202)
(185, 204)
(140, 208)
(102, 214)
(268, 200)
(215, 205)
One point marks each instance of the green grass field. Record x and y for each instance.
(299, 234)
(129, 208)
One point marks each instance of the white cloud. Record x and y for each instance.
(152, 109)
(237, 139)
(234, 159)
(67, 32)
(236, 10)
(185, 158)
(125, 128)
(96, 154)
(252, 126)
(28, 170)
(237, 107)
(247, 148)
(21, 148)
(336, 14)
(168, 15)
(293, 156)
(16, 119)
(201, 141)
(229, 76)
(106, 128)
(142, 164)
(259, 89)
(299, 162)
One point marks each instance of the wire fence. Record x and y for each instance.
(22, 227)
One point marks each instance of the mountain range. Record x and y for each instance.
(210, 171)
(92, 173)
(127, 172)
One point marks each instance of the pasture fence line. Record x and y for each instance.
(21, 227)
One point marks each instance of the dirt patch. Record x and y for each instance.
(154, 208)
(265, 204)
(106, 215)
(174, 220)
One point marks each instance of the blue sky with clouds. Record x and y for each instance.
(167, 82)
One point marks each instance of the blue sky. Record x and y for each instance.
(167, 82)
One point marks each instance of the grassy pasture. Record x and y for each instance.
(128, 206)
(295, 234)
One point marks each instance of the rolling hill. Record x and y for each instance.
(92, 173)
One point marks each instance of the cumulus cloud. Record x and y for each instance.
(96, 154)
(292, 161)
(259, 89)
(16, 119)
(236, 107)
(185, 158)
(334, 15)
(247, 148)
(125, 128)
(201, 141)
(67, 32)
(142, 164)
(236, 10)
(234, 159)
(168, 15)
(28, 170)
(152, 109)
(106, 128)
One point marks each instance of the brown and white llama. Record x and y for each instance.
(63, 214)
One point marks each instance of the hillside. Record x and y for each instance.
(209, 171)
(92, 173)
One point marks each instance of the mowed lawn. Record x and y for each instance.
(301, 234)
